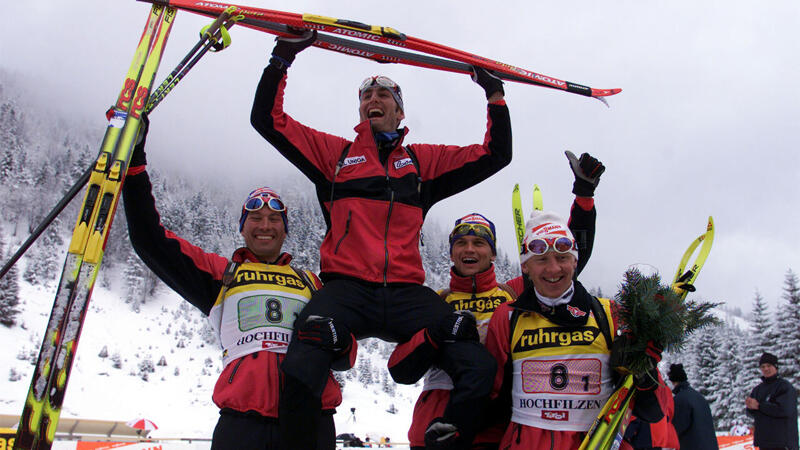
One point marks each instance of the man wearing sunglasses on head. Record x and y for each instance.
(475, 289)
(375, 192)
(250, 299)
(553, 347)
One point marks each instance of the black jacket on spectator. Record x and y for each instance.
(776, 416)
(692, 419)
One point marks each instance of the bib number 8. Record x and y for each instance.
(274, 312)
(567, 376)
(559, 377)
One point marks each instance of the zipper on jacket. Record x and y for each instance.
(386, 234)
(519, 432)
(346, 230)
(552, 439)
(235, 368)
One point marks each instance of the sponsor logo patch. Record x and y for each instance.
(576, 312)
(556, 337)
(256, 276)
(402, 163)
(560, 416)
(354, 160)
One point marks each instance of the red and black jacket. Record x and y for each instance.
(250, 383)
(374, 204)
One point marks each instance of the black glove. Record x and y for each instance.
(139, 157)
(487, 80)
(587, 172)
(287, 48)
(647, 381)
(458, 326)
(441, 435)
(323, 332)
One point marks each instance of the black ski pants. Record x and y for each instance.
(391, 313)
(250, 431)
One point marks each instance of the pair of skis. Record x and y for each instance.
(39, 420)
(384, 44)
(519, 214)
(609, 427)
(45, 397)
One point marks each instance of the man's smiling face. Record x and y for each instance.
(471, 255)
(379, 107)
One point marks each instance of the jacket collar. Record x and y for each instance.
(771, 379)
(576, 312)
(480, 282)
(243, 255)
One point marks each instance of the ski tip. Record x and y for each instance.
(605, 92)
(516, 188)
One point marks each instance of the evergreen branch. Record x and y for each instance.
(651, 311)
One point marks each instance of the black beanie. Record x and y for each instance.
(676, 373)
(768, 358)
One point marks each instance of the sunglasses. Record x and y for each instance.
(256, 203)
(378, 80)
(540, 246)
(482, 231)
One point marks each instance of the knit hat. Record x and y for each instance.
(386, 83)
(768, 358)
(477, 220)
(545, 225)
(266, 194)
(676, 373)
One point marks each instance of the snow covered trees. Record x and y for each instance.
(787, 324)
(9, 293)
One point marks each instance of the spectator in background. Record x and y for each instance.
(773, 405)
(692, 420)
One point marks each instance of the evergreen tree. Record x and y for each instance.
(787, 320)
(133, 281)
(706, 355)
(725, 397)
(761, 326)
(45, 255)
(9, 293)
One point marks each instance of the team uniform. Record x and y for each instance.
(251, 306)
(374, 195)
(481, 295)
(557, 368)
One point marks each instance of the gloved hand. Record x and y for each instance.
(323, 332)
(587, 172)
(139, 157)
(490, 82)
(287, 48)
(458, 326)
(441, 435)
(647, 381)
(654, 350)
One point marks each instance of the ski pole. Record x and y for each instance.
(73, 191)
(210, 37)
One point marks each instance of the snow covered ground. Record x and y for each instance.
(176, 396)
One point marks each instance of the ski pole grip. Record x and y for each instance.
(209, 31)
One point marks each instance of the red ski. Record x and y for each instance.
(266, 20)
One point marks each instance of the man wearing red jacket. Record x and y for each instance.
(375, 192)
(250, 300)
(474, 288)
(553, 347)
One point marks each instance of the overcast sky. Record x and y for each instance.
(707, 123)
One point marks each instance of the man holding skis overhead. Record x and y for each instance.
(374, 192)
(240, 305)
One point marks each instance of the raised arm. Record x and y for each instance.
(193, 273)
